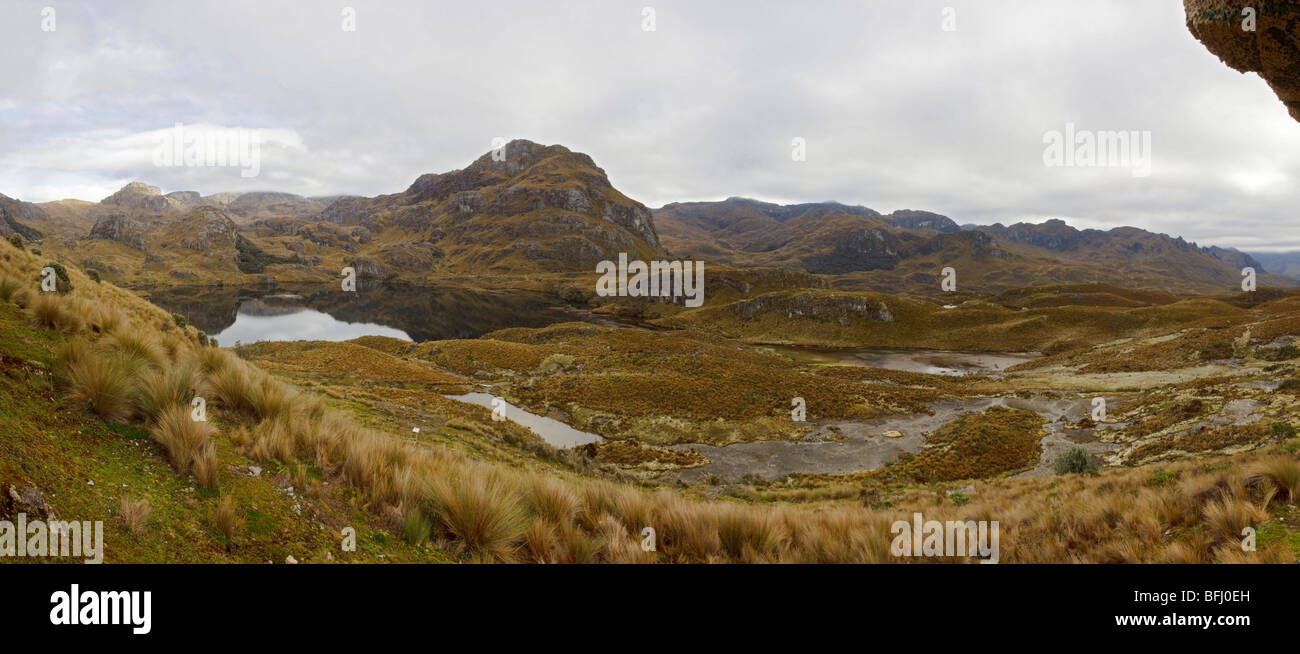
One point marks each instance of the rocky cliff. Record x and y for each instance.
(1271, 49)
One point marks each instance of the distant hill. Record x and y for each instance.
(1281, 263)
(908, 249)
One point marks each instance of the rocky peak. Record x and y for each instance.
(138, 195)
(529, 177)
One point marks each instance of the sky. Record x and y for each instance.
(948, 106)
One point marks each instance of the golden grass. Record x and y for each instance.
(134, 513)
(482, 512)
(183, 438)
(138, 344)
(9, 288)
(206, 466)
(1282, 473)
(101, 382)
(225, 519)
(51, 311)
(157, 390)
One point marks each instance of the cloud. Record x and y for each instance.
(897, 112)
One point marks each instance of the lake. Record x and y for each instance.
(934, 362)
(550, 430)
(323, 312)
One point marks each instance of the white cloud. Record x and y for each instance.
(897, 112)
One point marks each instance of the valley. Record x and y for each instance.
(812, 372)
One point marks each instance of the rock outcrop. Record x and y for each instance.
(13, 217)
(138, 196)
(1271, 49)
(121, 228)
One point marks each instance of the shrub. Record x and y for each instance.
(179, 320)
(16, 241)
(1160, 477)
(1282, 430)
(1076, 461)
(1288, 384)
(93, 275)
(63, 284)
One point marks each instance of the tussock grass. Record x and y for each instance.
(225, 518)
(479, 510)
(183, 438)
(206, 465)
(102, 382)
(551, 500)
(53, 312)
(157, 390)
(1280, 472)
(9, 288)
(269, 398)
(142, 345)
(228, 384)
(134, 513)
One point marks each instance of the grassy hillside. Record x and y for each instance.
(98, 386)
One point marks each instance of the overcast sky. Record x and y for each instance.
(896, 111)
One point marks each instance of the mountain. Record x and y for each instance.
(823, 237)
(537, 209)
(533, 209)
(1130, 253)
(1281, 263)
(909, 248)
(15, 216)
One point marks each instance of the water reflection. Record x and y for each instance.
(550, 430)
(302, 325)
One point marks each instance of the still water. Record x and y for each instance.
(323, 312)
(552, 431)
